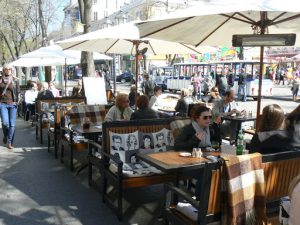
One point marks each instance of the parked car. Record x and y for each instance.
(124, 77)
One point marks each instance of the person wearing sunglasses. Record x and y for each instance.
(200, 133)
(9, 90)
(120, 111)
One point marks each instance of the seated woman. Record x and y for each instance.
(182, 105)
(214, 95)
(132, 95)
(293, 120)
(53, 89)
(200, 133)
(143, 112)
(77, 90)
(272, 136)
(293, 126)
(45, 93)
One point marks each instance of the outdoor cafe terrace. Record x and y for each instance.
(39, 189)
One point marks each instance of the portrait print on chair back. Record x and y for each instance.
(160, 141)
(124, 144)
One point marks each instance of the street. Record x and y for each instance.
(282, 96)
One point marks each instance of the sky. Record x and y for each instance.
(60, 13)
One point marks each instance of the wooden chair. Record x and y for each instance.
(118, 180)
(279, 169)
(59, 111)
(76, 117)
(41, 114)
(191, 200)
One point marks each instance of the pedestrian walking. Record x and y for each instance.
(242, 85)
(196, 82)
(281, 76)
(230, 78)
(295, 88)
(148, 86)
(277, 75)
(9, 89)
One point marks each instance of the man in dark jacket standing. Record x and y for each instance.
(242, 85)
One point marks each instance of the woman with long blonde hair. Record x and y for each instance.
(9, 97)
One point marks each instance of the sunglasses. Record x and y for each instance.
(206, 117)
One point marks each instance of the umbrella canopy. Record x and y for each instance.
(53, 55)
(121, 39)
(124, 39)
(214, 22)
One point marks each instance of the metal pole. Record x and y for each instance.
(261, 65)
(136, 71)
(114, 73)
(65, 76)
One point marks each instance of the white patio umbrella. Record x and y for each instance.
(53, 55)
(214, 22)
(124, 39)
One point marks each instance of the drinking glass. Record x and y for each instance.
(215, 145)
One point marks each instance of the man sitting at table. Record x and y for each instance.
(30, 96)
(200, 133)
(154, 102)
(226, 107)
(120, 111)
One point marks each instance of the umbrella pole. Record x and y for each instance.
(136, 72)
(261, 65)
(65, 76)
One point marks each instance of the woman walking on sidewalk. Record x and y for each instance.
(9, 89)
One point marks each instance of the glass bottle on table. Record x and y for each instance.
(86, 123)
(240, 143)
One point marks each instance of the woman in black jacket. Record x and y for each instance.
(273, 136)
(200, 133)
(143, 112)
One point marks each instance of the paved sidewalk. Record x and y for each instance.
(36, 189)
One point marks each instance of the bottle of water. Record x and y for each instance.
(240, 143)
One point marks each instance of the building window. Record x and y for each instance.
(95, 16)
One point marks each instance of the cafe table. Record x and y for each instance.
(92, 133)
(167, 111)
(171, 161)
(239, 120)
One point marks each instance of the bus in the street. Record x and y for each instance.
(182, 74)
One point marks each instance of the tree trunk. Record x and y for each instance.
(27, 75)
(87, 61)
(43, 25)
